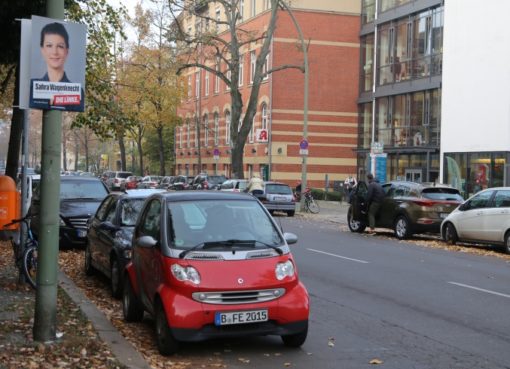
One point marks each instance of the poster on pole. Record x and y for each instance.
(57, 65)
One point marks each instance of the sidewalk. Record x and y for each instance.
(331, 211)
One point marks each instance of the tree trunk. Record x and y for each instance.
(86, 152)
(161, 151)
(13, 152)
(140, 152)
(122, 149)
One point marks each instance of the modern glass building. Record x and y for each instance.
(400, 89)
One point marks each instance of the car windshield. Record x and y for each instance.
(278, 189)
(124, 174)
(209, 221)
(82, 190)
(216, 179)
(437, 193)
(129, 211)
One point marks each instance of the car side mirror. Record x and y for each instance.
(146, 241)
(109, 226)
(290, 238)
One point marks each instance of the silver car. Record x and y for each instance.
(483, 218)
(278, 197)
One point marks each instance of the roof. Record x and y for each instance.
(205, 195)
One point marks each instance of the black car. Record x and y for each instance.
(407, 208)
(181, 183)
(79, 199)
(208, 182)
(109, 235)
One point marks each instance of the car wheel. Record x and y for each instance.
(291, 213)
(450, 234)
(506, 246)
(402, 228)
(167, 344)
(297, 339)
(89, 269)
(354, 225)
(132, 308)
(115, 282)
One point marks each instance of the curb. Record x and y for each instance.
(121, 348)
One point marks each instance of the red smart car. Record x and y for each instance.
(213, 264)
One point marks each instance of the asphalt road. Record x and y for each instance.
(381, 302)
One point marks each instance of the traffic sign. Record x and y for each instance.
(303, 144)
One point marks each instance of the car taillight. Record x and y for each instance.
(206, 185)
(424, 202)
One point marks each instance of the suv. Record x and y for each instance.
(208, 182)
(407, 208)
(79, 199)
(212, 264)
(114, 180)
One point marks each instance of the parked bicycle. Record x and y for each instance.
(26, 256)
(311, 205)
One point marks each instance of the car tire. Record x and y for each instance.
(506, 246)
(115, 279)
(89, 269)
(450, 234)
(167, 344)
(355, 226)
(291, 213)
(132, 308)
(402, 227)
(297, 339)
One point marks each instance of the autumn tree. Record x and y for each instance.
(215, 41)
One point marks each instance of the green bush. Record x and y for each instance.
(319, 194)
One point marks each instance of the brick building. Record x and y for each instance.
(331, 28)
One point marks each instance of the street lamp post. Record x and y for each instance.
(305, 102)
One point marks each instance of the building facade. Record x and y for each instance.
(400, 89)
(331, 29)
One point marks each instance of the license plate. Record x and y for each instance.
(280, 198)
(443, 215)
(240, 317)
(81, 233)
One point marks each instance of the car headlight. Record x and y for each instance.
(285, 269)
(62, 223)
(185, 273)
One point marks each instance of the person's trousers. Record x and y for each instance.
(372, 213)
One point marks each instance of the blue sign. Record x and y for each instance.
(379, 167)
(303, 145)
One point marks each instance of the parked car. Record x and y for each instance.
(408, 207)
(149, 182)
(79, 199)
(208, 182)
(165, 182)
(205, 263)
(109, 235)
(483, 218)
(278, 197)
(130, 183)
(181, 183)
(234, 185)
(114, 180)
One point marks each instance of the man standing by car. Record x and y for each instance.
(375, 196)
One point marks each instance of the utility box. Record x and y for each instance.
(9, 203)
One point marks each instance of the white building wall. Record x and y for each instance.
(476, 76)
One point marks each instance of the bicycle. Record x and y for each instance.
(311, 205)
(28, 259)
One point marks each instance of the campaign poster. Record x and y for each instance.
(57, 65)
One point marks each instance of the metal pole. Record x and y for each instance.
(46, 295)
(305, 102)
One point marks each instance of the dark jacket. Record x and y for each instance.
(375, 192)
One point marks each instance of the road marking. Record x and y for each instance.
(338, 256)
(480, 289)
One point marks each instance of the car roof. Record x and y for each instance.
(420, 184)
(142, 192)
(79, 178)
(204, 195)
(276, 183)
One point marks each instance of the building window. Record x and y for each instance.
(253, 64)
(367, 62)
(253, 8)
(229, 78)
(197, 84)
(252, 130)
(265, 68)
(188, 130)
(241, 10)
(216, 129)
(241, 70)
(217, 78)
(197, 130)
(264, 116)
(206, 130)
(367, 11)
(189, 86)
(206, 92)
(180, 137)
(227, 127)
(218, 18)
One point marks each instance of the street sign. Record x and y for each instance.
(303, 151)
(303, 144)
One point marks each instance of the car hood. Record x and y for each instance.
(79, 207)
(240, 274)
